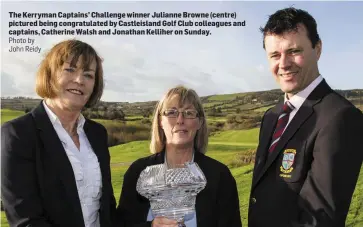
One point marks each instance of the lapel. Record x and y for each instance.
(94, 139)
(266, 134)
(203, 217)
(305, 111)
(54, 149)
(98, 146)
(155, 159)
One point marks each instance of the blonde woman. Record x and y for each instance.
(179, 135)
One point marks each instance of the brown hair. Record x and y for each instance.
(158, 139)
(46, 86)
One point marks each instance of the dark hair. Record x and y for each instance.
(46, 85)
(287, 20)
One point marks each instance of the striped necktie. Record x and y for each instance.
(281, 124)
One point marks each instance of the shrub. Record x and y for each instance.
(244, 158)
(123, 133)
(27, 109)
(146, 121)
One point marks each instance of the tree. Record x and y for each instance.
(114, 114)
(212, 112)
(147, 113)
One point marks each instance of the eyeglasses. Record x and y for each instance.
(187, 114)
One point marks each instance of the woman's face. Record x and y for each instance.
(75, 84)
(180, 123)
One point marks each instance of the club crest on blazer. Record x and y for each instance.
(287, 162)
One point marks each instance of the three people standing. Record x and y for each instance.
(56, 164)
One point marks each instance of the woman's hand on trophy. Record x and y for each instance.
(164, 222)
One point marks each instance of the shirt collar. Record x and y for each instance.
(299, 98)
(55, 120)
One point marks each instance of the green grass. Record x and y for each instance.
(355, 215)
(135, 117)
(129, 152)
(4, 222)
(235, 137)
(7, 115)
(117, 174)
(243, 177)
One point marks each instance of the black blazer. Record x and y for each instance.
(216, 205)
(326, 135)
(38, 186)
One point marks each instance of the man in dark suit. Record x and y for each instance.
(310, 146)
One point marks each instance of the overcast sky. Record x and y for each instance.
(142, 68)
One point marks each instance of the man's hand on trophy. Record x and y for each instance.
(164, 222)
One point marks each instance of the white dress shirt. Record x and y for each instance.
(298, 99)
(85, 166)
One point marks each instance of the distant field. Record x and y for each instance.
(263, 109)
(225, 97)
(109, 122)
(210, 104)
(7, 115)
(136, 117)
(216, 119)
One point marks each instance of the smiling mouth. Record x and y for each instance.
(75, 91)
(288, 75)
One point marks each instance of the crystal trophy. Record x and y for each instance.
(172, 191)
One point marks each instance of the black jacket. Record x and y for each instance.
(38, 186)
(217, 205)
(326, 135)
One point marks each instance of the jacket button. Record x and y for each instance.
(253, 200)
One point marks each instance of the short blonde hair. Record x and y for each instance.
(46, 85)
(158, 139)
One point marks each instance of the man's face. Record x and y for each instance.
(292, 59)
